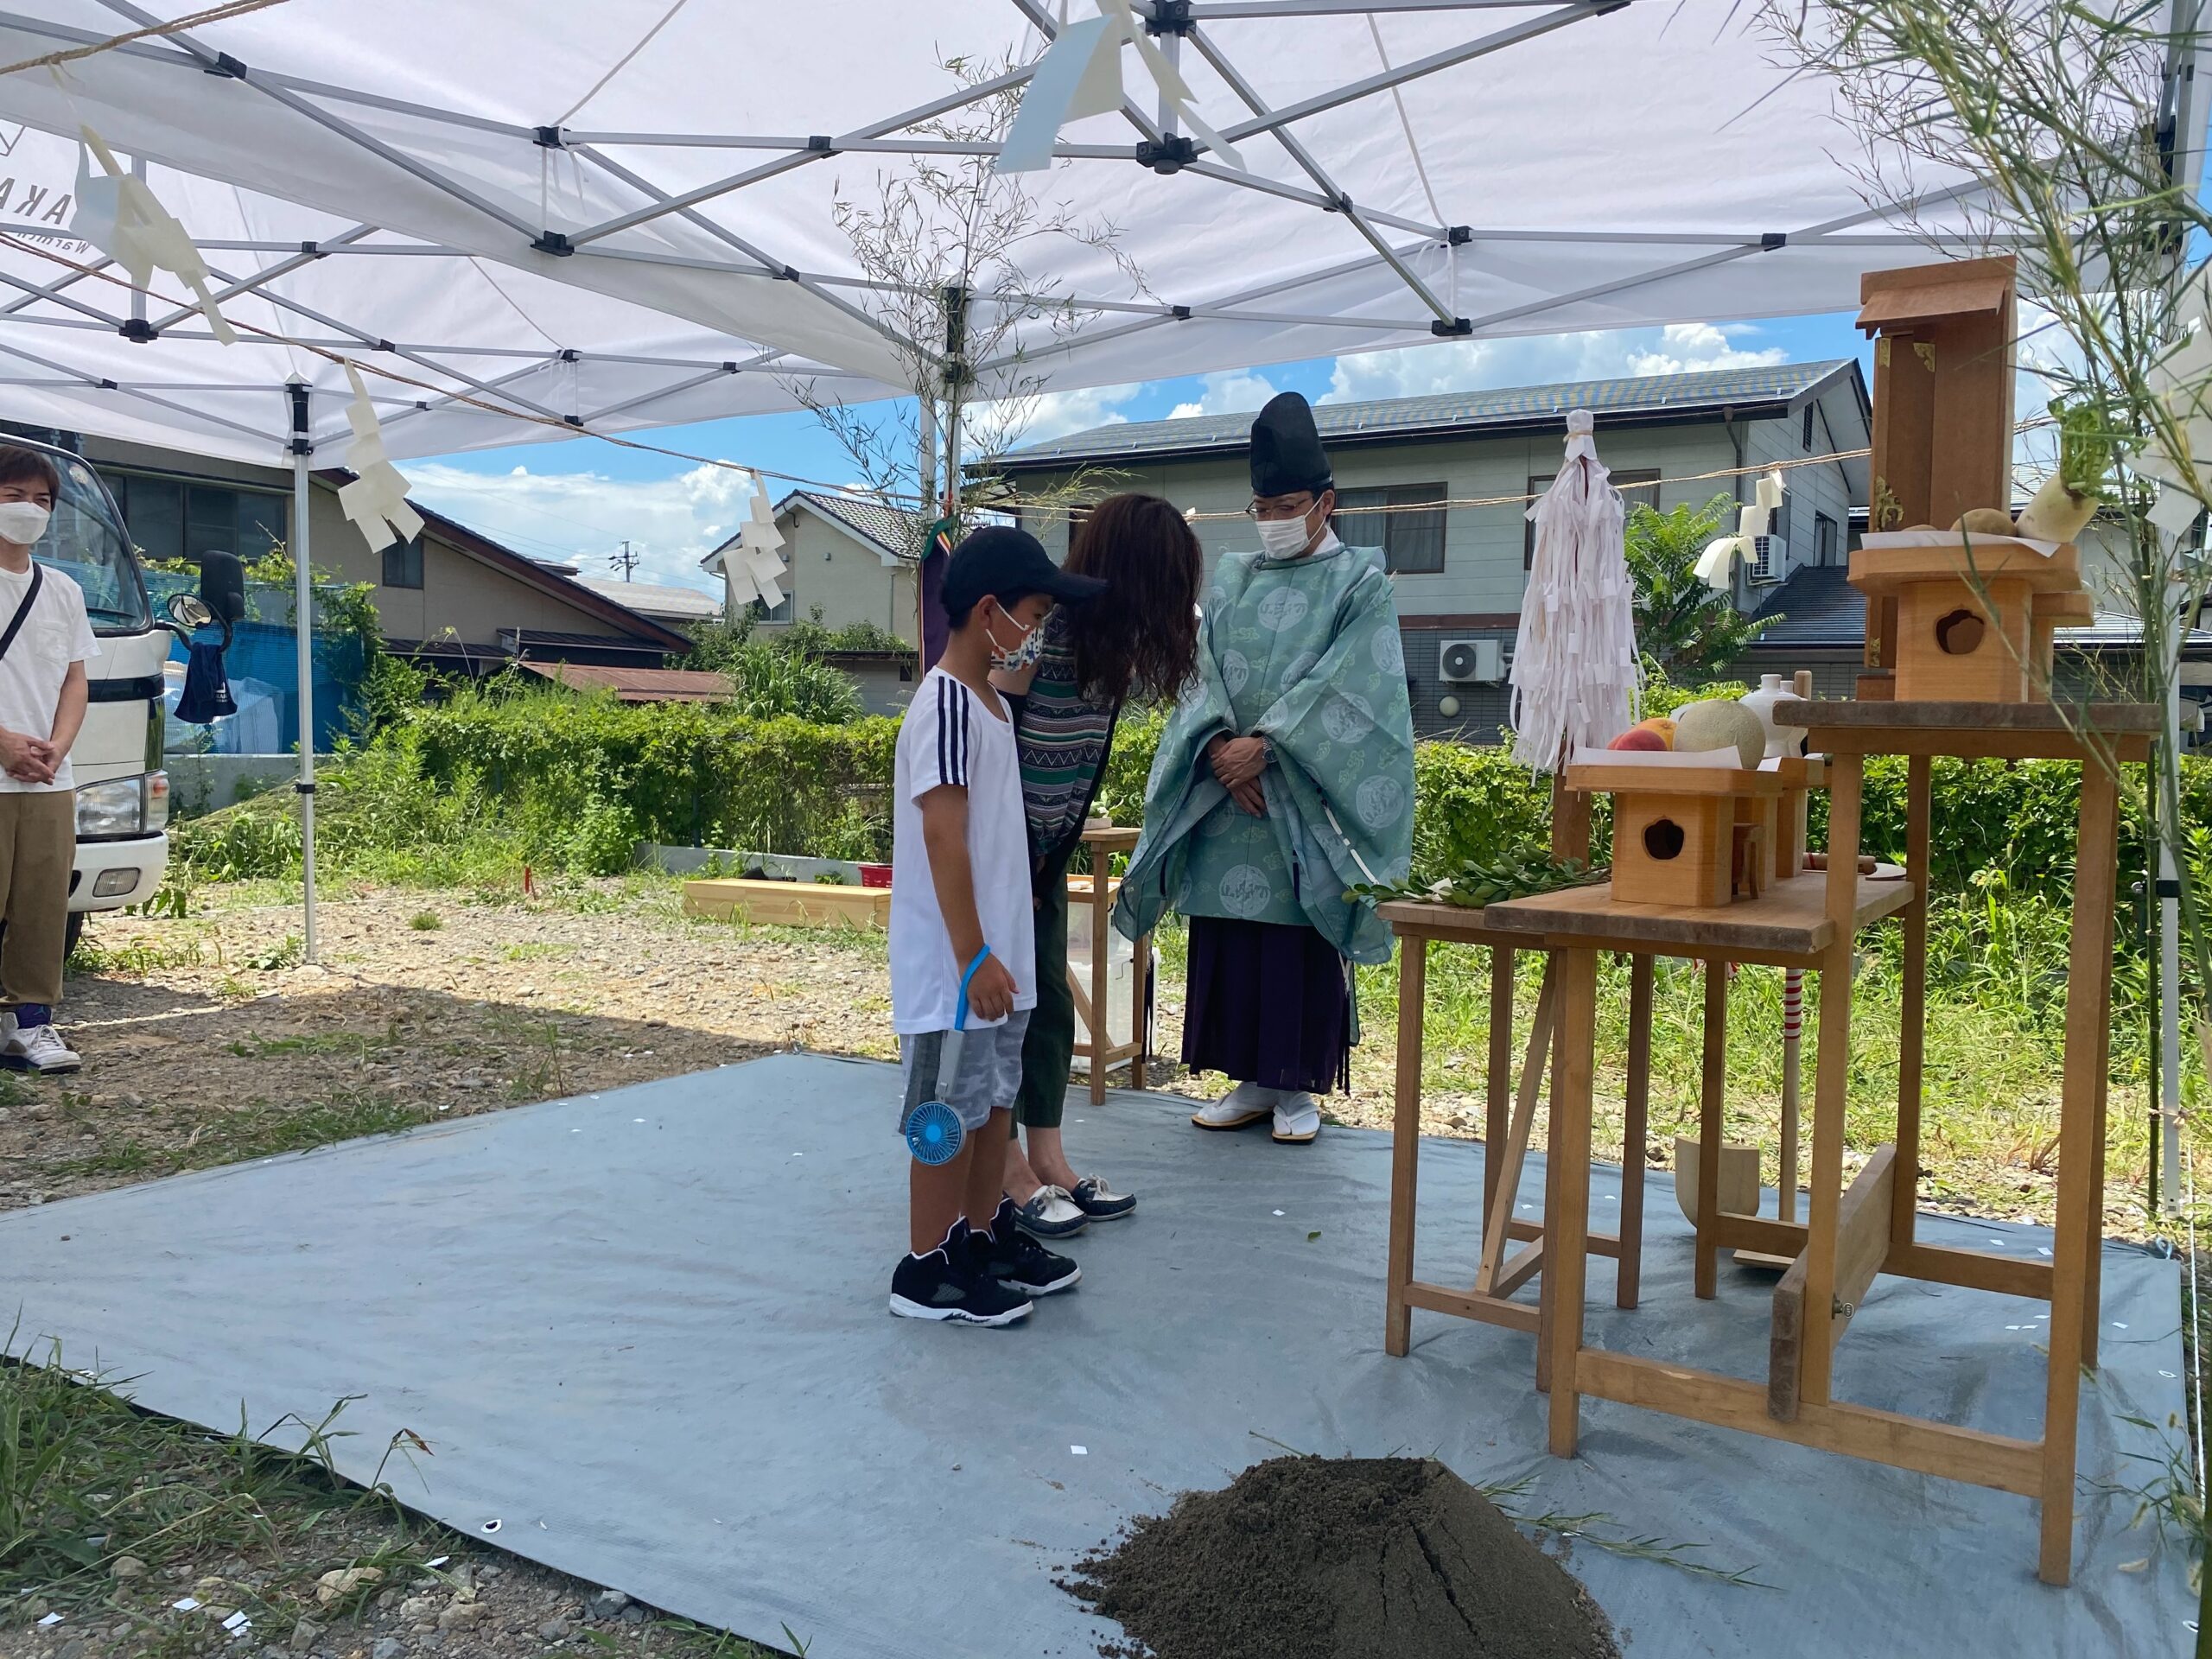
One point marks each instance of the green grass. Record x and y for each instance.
(254, 1046)
(262, 1129)
(136, 959)
(426, 921)
(87, 1478)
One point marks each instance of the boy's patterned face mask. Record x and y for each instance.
(1021, 655)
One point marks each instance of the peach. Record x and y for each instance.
(1638, 737)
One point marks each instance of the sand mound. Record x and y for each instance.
(1316, 1558)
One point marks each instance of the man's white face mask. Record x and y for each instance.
(1284, 539)
(22, 522)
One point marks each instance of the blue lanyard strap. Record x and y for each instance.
(960, 1012)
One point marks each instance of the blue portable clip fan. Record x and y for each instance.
(933, 1131)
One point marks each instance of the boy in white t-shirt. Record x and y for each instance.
(962, 929)
(45, 640)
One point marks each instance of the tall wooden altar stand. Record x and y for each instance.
(1851, 1236)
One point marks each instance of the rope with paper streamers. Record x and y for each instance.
(1577, 675)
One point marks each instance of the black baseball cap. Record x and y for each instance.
(1001, 563)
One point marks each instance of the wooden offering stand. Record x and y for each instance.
(1852, 1236)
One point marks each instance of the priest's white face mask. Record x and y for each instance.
(1288, 527)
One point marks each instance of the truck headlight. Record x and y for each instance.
(111, 811)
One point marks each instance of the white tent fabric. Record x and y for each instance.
(542, 353)
(1416, 168)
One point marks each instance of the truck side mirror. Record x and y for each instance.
(222, 585)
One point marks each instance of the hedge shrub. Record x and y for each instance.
(574, 781)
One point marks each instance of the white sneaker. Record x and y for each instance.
(1248, 1103)
(1298, 1119)
(37, 1048)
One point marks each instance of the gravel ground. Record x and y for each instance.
(467, 1604)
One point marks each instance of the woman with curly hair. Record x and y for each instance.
(1137, 641)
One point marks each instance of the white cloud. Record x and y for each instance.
(1058, 413)
(1232, 391)
(1537, 360)
(585, 517)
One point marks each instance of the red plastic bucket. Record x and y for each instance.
(875, 875)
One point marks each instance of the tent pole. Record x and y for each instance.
(302, 447)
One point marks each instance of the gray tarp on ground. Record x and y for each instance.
(645, 1330)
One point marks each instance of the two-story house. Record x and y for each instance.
(1452, 472)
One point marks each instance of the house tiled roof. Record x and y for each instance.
(1817, 607)
(1656, 396)
(655, 599)
(638, 685)
(888, 528)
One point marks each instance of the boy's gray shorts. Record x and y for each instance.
(988, 1077)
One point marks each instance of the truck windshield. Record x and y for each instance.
(85, 542)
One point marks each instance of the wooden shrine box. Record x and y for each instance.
(1964, 614)
(1942, 400)
(1674, 827)
(1782, 815)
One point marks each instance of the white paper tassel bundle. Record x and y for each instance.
(1577, 677)
(750, 567)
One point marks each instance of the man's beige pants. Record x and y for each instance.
(38, 849)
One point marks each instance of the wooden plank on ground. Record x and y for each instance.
(788, 904)
(1862, 1241)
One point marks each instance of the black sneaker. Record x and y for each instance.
(936, 1287)
(1008, 1255)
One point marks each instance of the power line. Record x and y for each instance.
(626, 561)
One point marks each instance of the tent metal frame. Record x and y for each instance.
(1177, 23)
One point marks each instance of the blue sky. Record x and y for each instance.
(580, 500)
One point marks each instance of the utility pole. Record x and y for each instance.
(626, 561)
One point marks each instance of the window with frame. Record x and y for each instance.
(1809, 409)
(1409, 528)
(402, 563)
(178, 519)
(762, 614)
(1639, 487)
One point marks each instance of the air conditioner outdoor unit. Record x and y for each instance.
(1470, 662)
(1772, 561)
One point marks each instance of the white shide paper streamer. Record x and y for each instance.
(120, 216)
(376, 500)
(1577, 676)
(1080, 75)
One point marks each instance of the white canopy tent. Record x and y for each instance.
(1417, 168)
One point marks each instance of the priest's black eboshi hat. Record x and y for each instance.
(1286, 453)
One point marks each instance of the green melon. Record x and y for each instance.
(1701, 726)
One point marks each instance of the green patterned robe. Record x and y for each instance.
(1306, 654)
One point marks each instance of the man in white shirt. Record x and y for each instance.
(45, 640)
